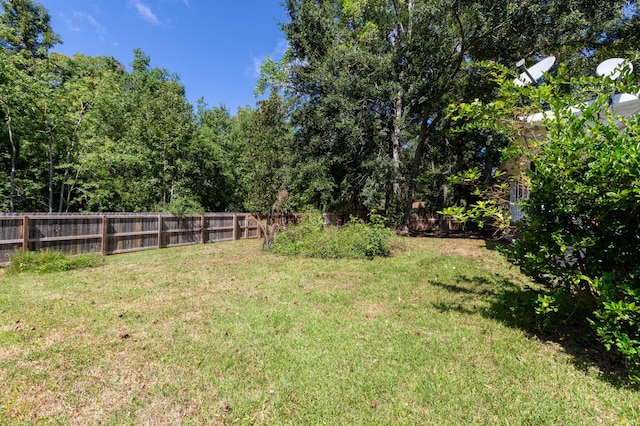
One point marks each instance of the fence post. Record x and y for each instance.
(235, 227)
(258, 227)
(105, 228)
(25, 233)
(159, 231)
(203, 225)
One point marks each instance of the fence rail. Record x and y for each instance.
(114, 233)
(430, 222)
(119, 233)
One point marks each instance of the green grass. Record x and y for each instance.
(50, 261)
(229, 334)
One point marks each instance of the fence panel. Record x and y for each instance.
(252, 227)
(114, 233)
(11, 236)
(427, 222)
(131, 233)
(70, 234)
(181, 230)
(218, 228)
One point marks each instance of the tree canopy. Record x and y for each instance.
(357, 117)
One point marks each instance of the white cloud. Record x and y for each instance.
(257, 63)
(186, 3)
(282, 47)
(99, 29)
(73, 26)
(145, 12)
(276, 54)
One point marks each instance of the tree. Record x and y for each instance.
(215, 164)
(136, 156)
(25, 39)
(339, 65)
(12, 81)
(372, 81)
(266, 135)
(268, 162)
(25, 28)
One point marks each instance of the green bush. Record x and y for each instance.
(582, 228)
(46, 261)
(581, 233)
(356, 239)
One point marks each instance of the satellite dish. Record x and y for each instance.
(625, 104)
(613, 67)
(533, 74)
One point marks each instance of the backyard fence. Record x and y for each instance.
(119, 233)
(114, 233)
(426, 222)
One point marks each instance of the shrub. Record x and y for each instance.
(583, 231)
(581, 234)
(357, 239)
(46, 261)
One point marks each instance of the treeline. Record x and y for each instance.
(87, 134)
(356, 117)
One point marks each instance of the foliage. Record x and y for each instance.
(582, 232)
(354, 240)
(48, 261)
(489, 205)
(370, 82)
(356, 121)
(25, 28)
(267, 154)
(87, 134)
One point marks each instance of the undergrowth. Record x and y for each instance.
(355, 240)
(46, 261)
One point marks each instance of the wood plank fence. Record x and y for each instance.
(119, 233)
(433, 223)
(114, 233)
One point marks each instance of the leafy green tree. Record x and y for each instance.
(136, 155)
(25, 28)
(25, 39)
(371, 82)
(12, 82)
(268, 156)
(216, 160)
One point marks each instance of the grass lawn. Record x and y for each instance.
(228, 334)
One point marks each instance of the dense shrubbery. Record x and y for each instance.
(51, 261)
(357, 239)
(581, 234)
(583, 230)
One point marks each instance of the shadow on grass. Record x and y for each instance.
(514, 306)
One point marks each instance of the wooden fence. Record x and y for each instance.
(114, 233)
(119, 233)
(423, 222)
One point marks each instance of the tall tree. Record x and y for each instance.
(266, 134)
(25, 27)
(367, 74)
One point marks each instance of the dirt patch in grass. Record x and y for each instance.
(373, 310)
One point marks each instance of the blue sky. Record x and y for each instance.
(215, 46)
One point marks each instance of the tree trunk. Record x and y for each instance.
(426, 127)
(14, 154)
(49, 132)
